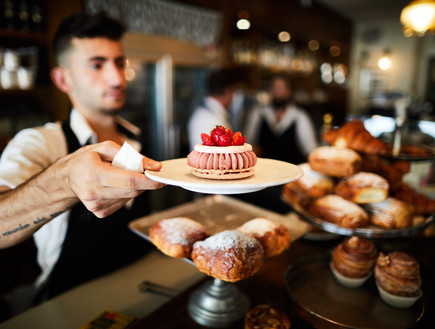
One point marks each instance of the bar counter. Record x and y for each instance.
(119, 291)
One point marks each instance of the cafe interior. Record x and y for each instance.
(365, 61)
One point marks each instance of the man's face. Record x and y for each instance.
(280, 90)
(95, 67)
(280, 93)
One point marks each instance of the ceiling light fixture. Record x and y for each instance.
(284, 36)
(384, 62)
(243, 24)
(418, 18)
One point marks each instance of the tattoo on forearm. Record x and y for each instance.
(37, 221)
(15, 230)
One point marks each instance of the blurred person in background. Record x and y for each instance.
(57, 182)
(215, 107)
(280, 130)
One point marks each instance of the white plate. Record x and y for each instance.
(268, 173)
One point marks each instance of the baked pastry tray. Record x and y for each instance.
(420, 223)
(324, 303)
(218, 213)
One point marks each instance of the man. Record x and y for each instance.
(215, 107)
(57, 181)
(281, 130)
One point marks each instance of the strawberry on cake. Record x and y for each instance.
(222, 155)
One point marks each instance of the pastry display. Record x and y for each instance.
(398, 278)
(265, 316)
(339, 211)
(363, 173)
(353, 261)
(391, 213)
(314, 183)
(355, 136)
(229, 255)
(363, 187)
(273, 236)
(175, 236)
(335, 161)
(222, 155)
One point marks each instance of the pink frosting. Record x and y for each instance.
(221, 161)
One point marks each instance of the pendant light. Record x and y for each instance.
(418, 18)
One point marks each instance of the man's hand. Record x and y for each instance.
(102, 188)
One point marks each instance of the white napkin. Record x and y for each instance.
(128, 159)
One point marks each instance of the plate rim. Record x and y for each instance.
(235, 186)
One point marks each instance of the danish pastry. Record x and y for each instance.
(363, 187)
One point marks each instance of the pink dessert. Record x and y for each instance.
(222, 162)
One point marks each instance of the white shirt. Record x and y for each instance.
(27, 154)
(305, 133)
(205, 118)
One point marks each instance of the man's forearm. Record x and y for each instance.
(32, 204)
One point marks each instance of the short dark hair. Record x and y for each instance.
(84, 25)
(220, 80)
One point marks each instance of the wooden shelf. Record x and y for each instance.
(19, 92)
(13, 37)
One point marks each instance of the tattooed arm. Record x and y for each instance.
(85, 175)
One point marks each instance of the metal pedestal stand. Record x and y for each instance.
(217, 304)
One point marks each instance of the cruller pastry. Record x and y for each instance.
(229, 255)
(175, 236)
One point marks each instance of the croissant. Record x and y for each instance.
(421, 203)
(354, 135)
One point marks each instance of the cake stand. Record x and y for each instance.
(217, 304)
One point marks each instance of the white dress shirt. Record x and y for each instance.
(205, 118)
(27, 154)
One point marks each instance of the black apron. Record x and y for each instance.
(283, 147)
(95, 246)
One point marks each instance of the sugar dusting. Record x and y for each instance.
(179, 230)
(259, 226)
(225, 240)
